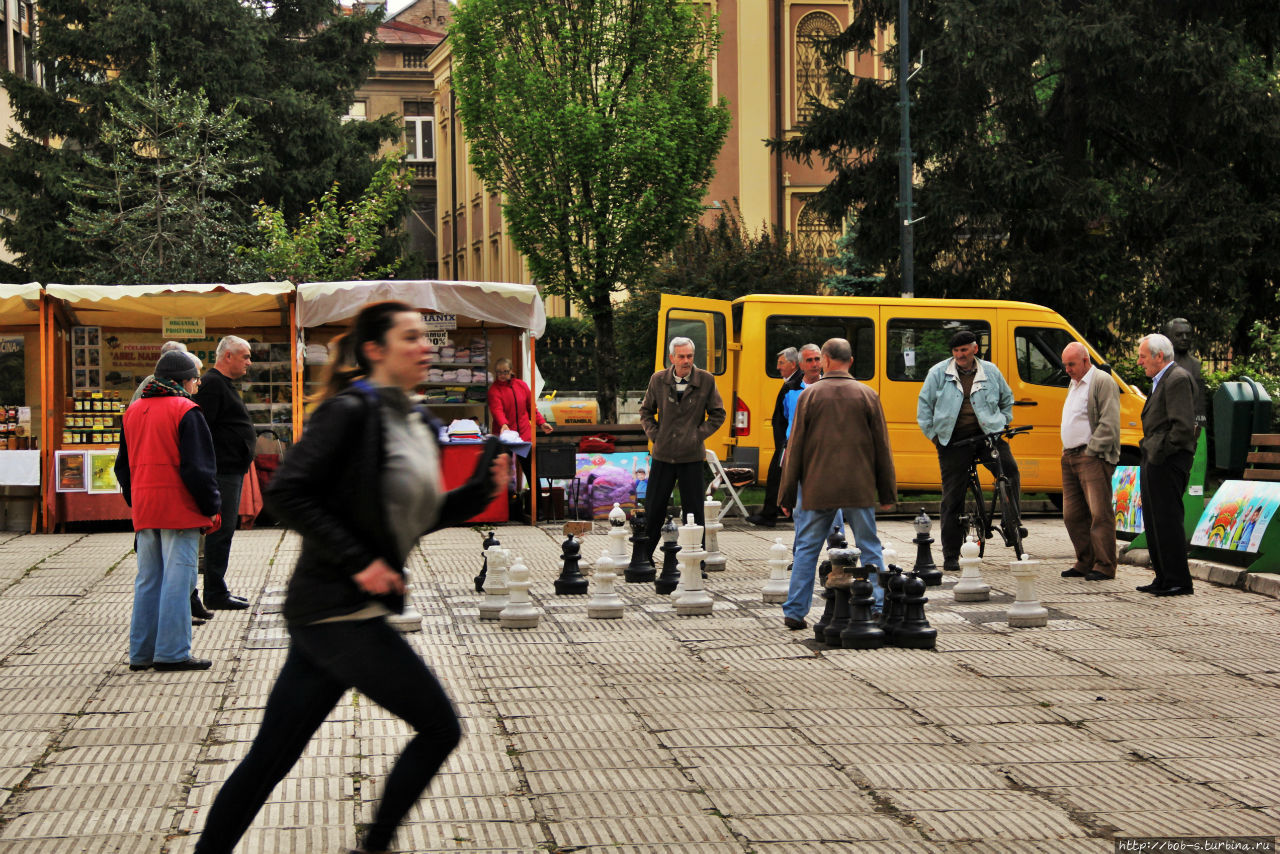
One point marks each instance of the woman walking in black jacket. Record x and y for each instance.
(361, 487)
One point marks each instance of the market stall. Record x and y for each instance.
(473, 324)
(99, 342)
(20, 373)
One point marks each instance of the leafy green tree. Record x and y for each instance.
(722, 261)
(333, 241)
(1118, 161)
(595, 121)
(291, 67)
(152, 206)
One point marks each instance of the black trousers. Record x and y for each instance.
(324, 661)
(1162, 486)
(217, 546)
(770, 510)
(663, 477)
(954, 463)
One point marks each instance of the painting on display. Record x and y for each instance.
(1237, 516)
(102, 475)
(602, 480)
(69, 468)
(1126, 499)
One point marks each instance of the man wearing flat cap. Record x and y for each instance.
(963, 397)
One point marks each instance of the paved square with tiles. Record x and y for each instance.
(1126, 716)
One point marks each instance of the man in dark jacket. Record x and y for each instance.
(789, 367)
(233, 444)
(681, 408)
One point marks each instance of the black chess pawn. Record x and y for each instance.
(490, 540)
(924, 566)
(828, 603)
(571, 581)
(670, 577)
(641, 569)
(914, 632)
(891, 617)
(838, 581)
(861, 631)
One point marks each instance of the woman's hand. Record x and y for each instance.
(379, 578)
(546, 427)
(500, 474)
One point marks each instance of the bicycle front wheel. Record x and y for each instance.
(975, 522)
(1010, 523)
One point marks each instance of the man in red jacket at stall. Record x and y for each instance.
(509, 398)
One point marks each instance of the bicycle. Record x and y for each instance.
(978, 519)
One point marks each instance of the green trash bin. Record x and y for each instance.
(1240, 409)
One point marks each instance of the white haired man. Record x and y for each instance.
(1168, 445)
(681, 409)
(233, 445)
(1090, 451)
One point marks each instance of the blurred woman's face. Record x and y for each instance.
(402, 360)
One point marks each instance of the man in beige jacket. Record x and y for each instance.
(1090, 451)
(837, 459)
(680, 410)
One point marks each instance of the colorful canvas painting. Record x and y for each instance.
(1237, 516)
(601, 480)
(1126, 499)
(102, 475)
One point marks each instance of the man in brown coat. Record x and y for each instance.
(838, 460)
(680, 410)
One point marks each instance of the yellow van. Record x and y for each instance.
(895, 342)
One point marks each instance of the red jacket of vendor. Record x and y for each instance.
(509, 405)
(166, 465)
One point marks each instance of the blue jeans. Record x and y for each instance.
(160, 629)
(812, 527)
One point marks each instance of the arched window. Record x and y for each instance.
(811, 71)
(815, 237)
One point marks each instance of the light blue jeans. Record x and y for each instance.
(160, 629)
(812, 527)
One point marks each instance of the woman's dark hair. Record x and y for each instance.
(347, 360)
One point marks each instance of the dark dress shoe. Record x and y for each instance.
(794, 624)
(1094, 575)
(136, 667)
(185, 664)
(762, 521)
(230, 603)
(1175, 591)
(199, 611)
(1072, 573)
(1148, 588)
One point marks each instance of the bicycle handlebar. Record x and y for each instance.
(986, 438)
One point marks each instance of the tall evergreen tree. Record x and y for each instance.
(1118, 160)
(292, 66)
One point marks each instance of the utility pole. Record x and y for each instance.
(905, 206)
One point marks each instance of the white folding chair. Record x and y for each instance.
(721, 480)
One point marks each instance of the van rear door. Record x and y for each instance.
(705, 322)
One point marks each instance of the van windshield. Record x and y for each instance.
(916, 344)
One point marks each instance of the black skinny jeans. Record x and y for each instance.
(324, 661)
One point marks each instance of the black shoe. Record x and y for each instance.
(1094, 575)
(136, 667)
(1072, 573)
(185, 664)
(762, 521)
(1175, 591)
(198, 611)
(229, 603)
(794, 624)
(950, 567)
(1148, 588)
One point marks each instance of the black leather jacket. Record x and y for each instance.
(329, 490)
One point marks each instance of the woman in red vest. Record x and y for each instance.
(509, 408)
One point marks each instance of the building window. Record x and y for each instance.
(815, 237)
(414, 57)
(357, 112)
(811, 72)
(419, 132)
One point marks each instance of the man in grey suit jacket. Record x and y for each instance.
(1168, 446)
(1090, 451)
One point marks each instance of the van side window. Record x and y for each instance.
(916, 344)
(1040, 354)
(795, 330)
(706, 330)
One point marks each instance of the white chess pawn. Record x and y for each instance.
(694, 600)
(971, 587)
(779, 585)
(1026, 611)
(605, 604)
(495, 583)
(714, 561)
(520, 612)
(408, 620)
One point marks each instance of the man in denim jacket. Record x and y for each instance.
(963, 397)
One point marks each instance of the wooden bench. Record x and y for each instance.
(1263, 462)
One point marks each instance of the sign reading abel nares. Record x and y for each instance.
(183, 327)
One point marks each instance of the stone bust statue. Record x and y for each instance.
(1179, 333)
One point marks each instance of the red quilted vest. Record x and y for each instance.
(160, 499)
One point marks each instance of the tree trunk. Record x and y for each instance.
(601, 308)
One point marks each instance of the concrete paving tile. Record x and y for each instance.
(756, 777)
(80, 823)
(945, 800)
(290, 789)
(102, 755)
(844, 717)
(822, 827)
(1059, 751)
(557, 806)
(558, 760)
(855, 755)
(303, 840)
(1263, 749)
(568, 723)
(1176, 728)
(684, 829)
(1142, 798)
(1047, 775)
(442, 809)
(132, 736)
(916, 698)
(303, 814)
(587, 780)
(1124, 710)
(829, 846)
(978, 715)
(735, 757)
(786, 802)
(103, 797)
(730, 737)
(1188, 822)
(1041, 823)
(127, 843)
(1020, 733)
(1262, 792)
(920, 733)
(931, 777)
(590, 740)
(88, 775)
(1074, 845)
(463, 785)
